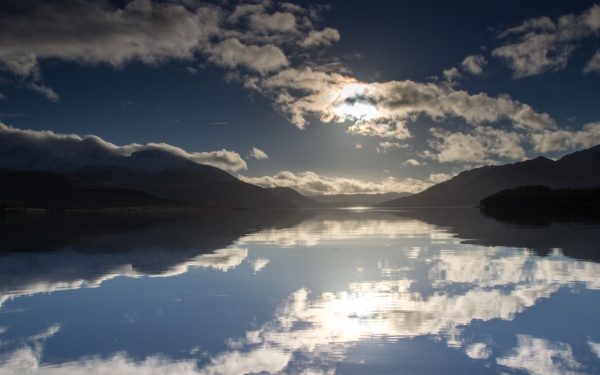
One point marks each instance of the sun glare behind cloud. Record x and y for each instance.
(350, 104)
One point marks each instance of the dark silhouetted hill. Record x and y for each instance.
(292, 196)
(527, 202)
(45, 190)
(577, 170)
(171, 177)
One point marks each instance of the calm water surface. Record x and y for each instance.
(299, 292)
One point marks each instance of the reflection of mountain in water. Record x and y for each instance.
(434, 279)
(577, 240)
(73, 251)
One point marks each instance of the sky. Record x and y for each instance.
(325, 97)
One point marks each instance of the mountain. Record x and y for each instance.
(345, 200)
(46, 190)
(576, 170)
(540, 203)
(173, 177)
(292, 196)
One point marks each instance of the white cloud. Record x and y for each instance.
(381, 130)
(44, 90)
(383, 108)
(474, 64)
(544, 44)
(95, 32)
(251, 36)
(560, 140)
(533, 24)
(49, 151)
(451, 75)
(436, 178)
(384, 146)
(325, 37)
(253, 41)
(245, 10)
(233, 53)
(593, 65)
(311, 183)
(477, 146)
(278, 21)
(258, 154)
(412, 162)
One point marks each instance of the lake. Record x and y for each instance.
(355, 291)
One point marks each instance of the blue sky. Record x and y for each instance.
(344, 96)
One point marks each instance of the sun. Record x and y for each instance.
(350, 104)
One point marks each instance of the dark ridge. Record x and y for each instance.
(577, 170)
(540, 203)
(292, 196)
(45, 190)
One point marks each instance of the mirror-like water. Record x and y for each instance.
(298, 292)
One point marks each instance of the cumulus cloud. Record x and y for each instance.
(474, 64)
(544, 45)
(278, 21)
(253, 36)
(267, 46)
(384, 108)
(232, 53)
(258, 154)
(394, 130)
(95, 32)
(311, 183)
(479, 145)
(325, 37)
(65, 153)
(560, 140)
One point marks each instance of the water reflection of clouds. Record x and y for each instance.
(70, 271)
(314, 232)
(541, 357)
(464, 283)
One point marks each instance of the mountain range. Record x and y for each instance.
(156, 178)
(577, 170)
(145, 178)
